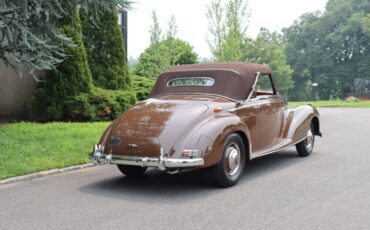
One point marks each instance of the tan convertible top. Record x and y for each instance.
(233, 80)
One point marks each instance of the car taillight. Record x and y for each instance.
(190, 153)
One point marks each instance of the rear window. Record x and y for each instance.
(191, 81)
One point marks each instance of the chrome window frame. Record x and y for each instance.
(254, 89)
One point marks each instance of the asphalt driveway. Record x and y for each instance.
(328, 190)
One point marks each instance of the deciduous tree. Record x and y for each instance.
(172, 27)
(228, 26)
(164, 51)
(216, 27)
(267, 48)
(228, 41)
(155, 29)
(330, 48)
(161, 56)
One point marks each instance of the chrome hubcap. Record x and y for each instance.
(233, 159)
(309, 140)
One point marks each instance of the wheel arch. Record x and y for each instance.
(246, 143)
(298, 122)
(316, 125)
(217, 130)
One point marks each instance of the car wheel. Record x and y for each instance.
(229, 170)
(131, 171)
(305, 147)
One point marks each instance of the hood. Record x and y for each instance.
(152, 124)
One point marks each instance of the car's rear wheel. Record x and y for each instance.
(305, 147)
(229, 170)
(131, 171)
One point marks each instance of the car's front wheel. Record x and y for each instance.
(229, 170)
(305, 147)
(131, 171)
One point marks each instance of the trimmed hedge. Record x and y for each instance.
(111, 103)
(98, 105)
(142, 86)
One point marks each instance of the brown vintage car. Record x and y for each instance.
(207, 115)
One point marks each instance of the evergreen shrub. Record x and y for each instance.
(142, 86)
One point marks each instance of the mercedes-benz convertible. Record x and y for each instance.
(215, 116)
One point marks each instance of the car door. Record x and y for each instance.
(270, 114)
(248, 113)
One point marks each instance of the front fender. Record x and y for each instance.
(211, 135)
(298, 123)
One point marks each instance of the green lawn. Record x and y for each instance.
(363, 104)
(32, 147)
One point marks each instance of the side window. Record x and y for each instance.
(264, 85)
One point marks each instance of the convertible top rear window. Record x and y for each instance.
(230, 80)
(191, 81)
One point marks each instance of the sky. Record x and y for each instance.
(193, 24)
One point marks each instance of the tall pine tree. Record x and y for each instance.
(71, 78)
(106, 52)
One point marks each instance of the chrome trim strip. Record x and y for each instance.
(264, 96)
(274, 151)
(209, 94)
(253, 87)
(183, 78)
(212, 69)
(256, 101)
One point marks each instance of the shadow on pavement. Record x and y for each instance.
(265, 165)
(157, 186)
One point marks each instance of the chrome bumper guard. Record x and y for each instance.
(161, 162)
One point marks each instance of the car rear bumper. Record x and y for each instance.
(161, 162)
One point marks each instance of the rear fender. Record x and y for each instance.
(210, 136)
